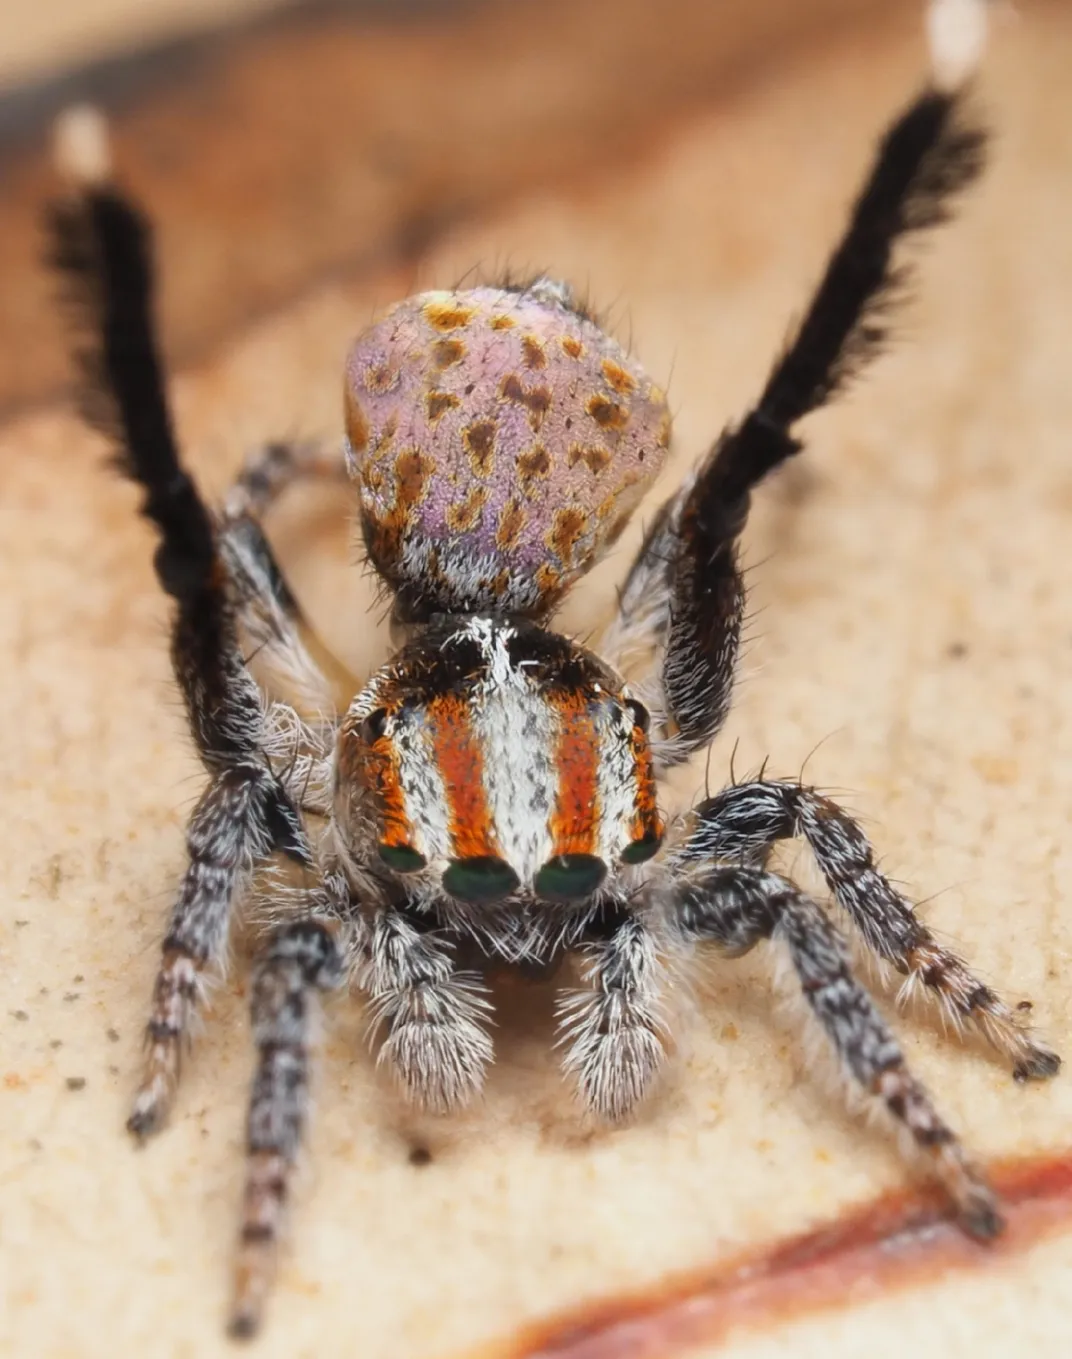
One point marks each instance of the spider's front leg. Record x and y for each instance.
(613, 1030)
(240, 818)
(301, 958)
(101, 248)
(744, 822)
(736, 907)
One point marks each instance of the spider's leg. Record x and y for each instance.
(281, 644)
(101, 249)
(684, 597)
(736, 907)
(613, 1030)
(434, 1015)
(300, 959)
(743, 824)
(297, 744)
(240, 818)
(269, 621)
(274, 467)
(271, 618)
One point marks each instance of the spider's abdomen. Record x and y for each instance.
(500, 441)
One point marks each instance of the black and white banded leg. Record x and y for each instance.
(434, 1015)
(276, 466)
(301, 959)
(735, 908)
(614, 1030)
(744, 822)
(270, 624)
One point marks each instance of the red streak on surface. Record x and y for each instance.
(894, 1242)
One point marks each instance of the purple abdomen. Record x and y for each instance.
(500, 441)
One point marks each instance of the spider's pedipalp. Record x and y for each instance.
(743, 823)
(614, 1030)
(737, 907)
(434, 1016)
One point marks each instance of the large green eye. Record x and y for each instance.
(402, 858)
(569, 877)
(480, 880)
(640, 851)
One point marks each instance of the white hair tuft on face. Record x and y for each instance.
(956, 36)
(81, 146)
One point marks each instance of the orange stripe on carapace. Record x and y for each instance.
(461, 766)
(646, 820)
(377, 767)
(576, 813)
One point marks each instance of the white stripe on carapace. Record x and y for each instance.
(515, 727)
(425, 796)
(617, 781)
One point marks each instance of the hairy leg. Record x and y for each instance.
(273, 625)
(227, 834)
(683, 598)
(274, 467)
(270, 624)
(736, 907)
(613, 1030)
(743, 823)
(301, 959)
(101, 247)
(297, 740)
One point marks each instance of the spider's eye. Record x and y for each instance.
(402, 858)
(569, 877)
(480, 879)
(374, 726)
(640, 714)
(640, 851)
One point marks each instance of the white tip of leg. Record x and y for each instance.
(956, 35)
(80, 145)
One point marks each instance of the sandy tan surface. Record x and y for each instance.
(912, 641)
(39, 38)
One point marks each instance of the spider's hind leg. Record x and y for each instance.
(277, 465)
(744, 822)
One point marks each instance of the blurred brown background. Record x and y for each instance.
(689, 164)
(284, 143)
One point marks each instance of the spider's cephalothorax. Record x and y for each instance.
(513, 850)
(490, 794)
